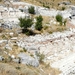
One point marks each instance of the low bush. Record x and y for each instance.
(59, 18)
(31, 10)
(38, 25)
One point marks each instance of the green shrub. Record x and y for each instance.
(31, 10)
(41, 57)
(46, 6)
(25, 50)
(63, 8)
(38, 25)
(25, 24)
(59, 18)
(39, 18)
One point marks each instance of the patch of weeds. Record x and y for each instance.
(41, 57)
(47, 65)
(45, 27)
(31, 55)
(21, 51)
(7, 59)
(18, 68)
(63, 8)
(50, 32)
(25, 50)
(4, 37)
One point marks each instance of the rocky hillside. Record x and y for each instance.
(27, 50)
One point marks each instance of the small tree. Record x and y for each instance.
(38, 25)
(59, 18)
(31, 10)
(39, 18)
(25, 24)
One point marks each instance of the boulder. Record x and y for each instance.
(8, 47)
(16, 60)
(28, 60)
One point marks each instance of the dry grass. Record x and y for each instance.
(20, 69)
(54, 28)
(6, 69)
(1, 29)
(12, 68)
(50, 3)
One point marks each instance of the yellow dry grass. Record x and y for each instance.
(46, 19)
(50, 3)
(53, 28)
(12, 68)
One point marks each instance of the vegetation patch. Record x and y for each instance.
(31, 10)
(38, 25)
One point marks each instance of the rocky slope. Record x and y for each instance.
(15, 60)
(36, 54)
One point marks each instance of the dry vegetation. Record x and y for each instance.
(20, 69)
(53, 28)
(50, 3)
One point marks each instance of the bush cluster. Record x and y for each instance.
(25, 24)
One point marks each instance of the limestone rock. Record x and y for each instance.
(26, 59)
(8, 47)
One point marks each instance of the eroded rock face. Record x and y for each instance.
(26, 59)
